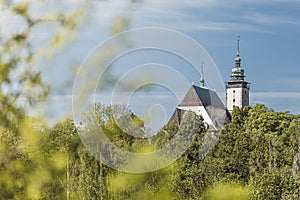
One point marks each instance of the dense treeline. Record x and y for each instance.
(256, 157)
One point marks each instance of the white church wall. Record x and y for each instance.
(199, 110)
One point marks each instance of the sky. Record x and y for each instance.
(269, 45)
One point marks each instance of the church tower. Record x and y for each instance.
(237, 89)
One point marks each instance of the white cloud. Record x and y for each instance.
(176, 15)
(280, 101)
(103, 12)
(222, 26)
(278, 95)
(271, 19)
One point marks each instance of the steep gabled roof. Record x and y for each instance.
(201, 96)
(191, 98)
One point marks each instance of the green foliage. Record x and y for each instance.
(152, 185)
(28, 169)
(21, 85)
(257, 157)
(227, 191)
(91, 181)
(25, 169)
(235, 146)
(259, 148)
(274, 185)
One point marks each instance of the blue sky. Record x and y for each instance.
(269, 31)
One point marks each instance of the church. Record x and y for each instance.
(206, 102)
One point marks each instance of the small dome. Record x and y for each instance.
(238, 59)
(237, 70)
(237, 73)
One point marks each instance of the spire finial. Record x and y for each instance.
(238, 59)
(238, 45)
(202, 81)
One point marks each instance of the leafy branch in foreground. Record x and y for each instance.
(21, 84)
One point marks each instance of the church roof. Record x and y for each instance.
(202, 96)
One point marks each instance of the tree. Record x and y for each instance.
(21, 85)
(234, 146)
(273, 185)
(61, 145)
(190, 179)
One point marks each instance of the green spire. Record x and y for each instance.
(202, 82)
(238, 59)
(238, 73)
